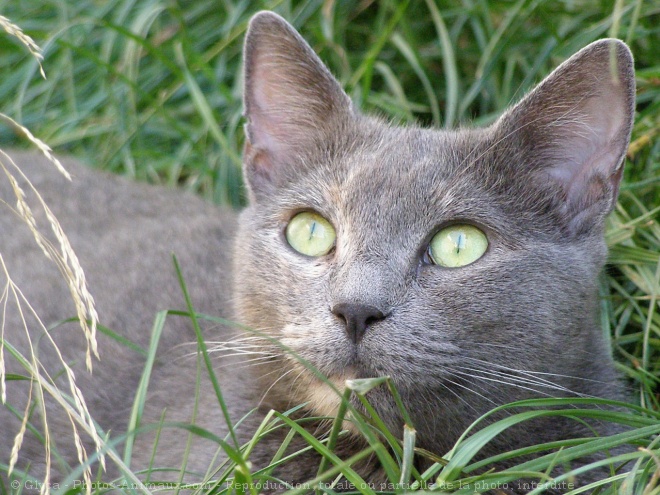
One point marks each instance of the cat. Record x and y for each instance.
(462, 264)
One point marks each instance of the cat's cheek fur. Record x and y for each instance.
(294, 318)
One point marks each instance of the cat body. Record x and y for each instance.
(520, 321)
(130, 223)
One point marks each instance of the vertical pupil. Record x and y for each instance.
(460, 242)
(311, 230)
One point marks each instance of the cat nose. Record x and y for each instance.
(357, 317)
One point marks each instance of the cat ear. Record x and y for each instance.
(290, 98)
(574, 130)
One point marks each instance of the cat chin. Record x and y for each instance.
(322, 399)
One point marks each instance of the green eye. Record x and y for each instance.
(310, 234)
(457, 245)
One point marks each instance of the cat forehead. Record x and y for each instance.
(422, 163)
(395, 177)
(407, 157)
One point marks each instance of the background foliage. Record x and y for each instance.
(152, 89)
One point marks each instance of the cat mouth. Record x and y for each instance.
(351, 362)
(353, 365)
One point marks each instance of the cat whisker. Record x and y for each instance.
(281, 377)
(247, 359)
(531, 381)
(472, 391)
(232, 343)
(238, 350)
(241, 365)
(535, 374)
(238, 338)
(510, 383)
(296, 383)
(507, 347)
(229, 352)
(538, 387)
(245, 342)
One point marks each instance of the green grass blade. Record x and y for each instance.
(141, 392)
(204, 352)
(448, 64)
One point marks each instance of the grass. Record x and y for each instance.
(152, 89)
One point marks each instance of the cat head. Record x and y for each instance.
(459, 263)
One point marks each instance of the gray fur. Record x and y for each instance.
(456, 342)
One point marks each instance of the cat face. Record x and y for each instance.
(374, 299)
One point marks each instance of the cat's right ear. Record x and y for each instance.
(290, 98)
(574, 130)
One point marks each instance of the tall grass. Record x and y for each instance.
(152, 89)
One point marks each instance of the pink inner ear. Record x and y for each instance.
(271, 120)
(263, 133)
(591, 144)
(265, 119)
(291, 100)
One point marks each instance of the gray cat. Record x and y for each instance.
(462, 264)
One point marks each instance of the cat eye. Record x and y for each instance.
(310, 234)
(457, 245)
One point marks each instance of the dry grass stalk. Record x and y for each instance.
(77, 412)
(66, 260)
(13, 30)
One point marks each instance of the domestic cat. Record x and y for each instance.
(461, 264)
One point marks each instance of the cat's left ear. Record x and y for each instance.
(291, 100)
(575, 128)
